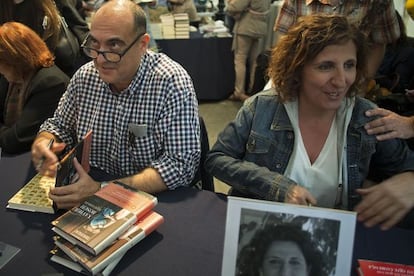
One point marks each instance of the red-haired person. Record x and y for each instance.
(30, 86)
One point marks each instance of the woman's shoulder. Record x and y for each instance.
(264, 97)
(266, 100)
(49, 76)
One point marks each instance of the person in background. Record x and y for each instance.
(398, 61)
(42, 16)
(304, 141)
(140, 106)
(377, 19)
(30, 86)
(146, 6)
(249, 29)
(280, 250)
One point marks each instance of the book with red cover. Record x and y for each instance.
(104, 216)
(374, 268)
(137, 232)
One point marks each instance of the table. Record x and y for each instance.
(209, 61)
(190, 242)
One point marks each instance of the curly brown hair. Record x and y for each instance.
(303, 42)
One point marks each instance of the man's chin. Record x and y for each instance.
(106, 76)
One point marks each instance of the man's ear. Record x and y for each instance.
(145, 40)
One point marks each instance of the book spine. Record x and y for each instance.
(132, 236)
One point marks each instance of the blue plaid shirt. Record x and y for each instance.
(153, 123)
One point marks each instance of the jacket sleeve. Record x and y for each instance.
(227, 161)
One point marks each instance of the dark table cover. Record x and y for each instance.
(209, 61)
(190, 242)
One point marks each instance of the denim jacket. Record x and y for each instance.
(252, 152)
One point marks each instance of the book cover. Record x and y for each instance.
(104, 216)
(141, 229)
(66, 171)
(34, 195)
(374, 268)
(59, 257)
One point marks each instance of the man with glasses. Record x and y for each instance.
(140, 105)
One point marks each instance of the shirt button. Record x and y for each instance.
(278, 165)
(290, 136)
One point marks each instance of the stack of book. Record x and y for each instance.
(182, 25)
(93, 237)
(167, 26)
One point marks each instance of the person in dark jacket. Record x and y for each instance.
(42, 16)
(30, 86)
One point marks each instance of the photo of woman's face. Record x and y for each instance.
(284, 258)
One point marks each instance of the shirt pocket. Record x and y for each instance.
(141, 150)
(258, 150)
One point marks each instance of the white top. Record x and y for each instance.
(323, 177)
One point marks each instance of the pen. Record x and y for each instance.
(49, 146)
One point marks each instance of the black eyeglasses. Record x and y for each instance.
(108, 55)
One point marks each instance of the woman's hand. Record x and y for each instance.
(299, 195)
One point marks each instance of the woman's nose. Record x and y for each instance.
(339, 78)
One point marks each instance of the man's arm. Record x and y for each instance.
(388, 202)
(149, 180)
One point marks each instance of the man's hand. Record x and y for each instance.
(299, 195)
(44, 157)
(390, 126)
(388, 202)
(68, 196)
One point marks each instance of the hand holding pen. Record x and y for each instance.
(42, 159)
(44, 153)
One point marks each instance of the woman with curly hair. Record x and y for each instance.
(280, 250)
(304, 140)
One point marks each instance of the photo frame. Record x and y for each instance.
(256, 230)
